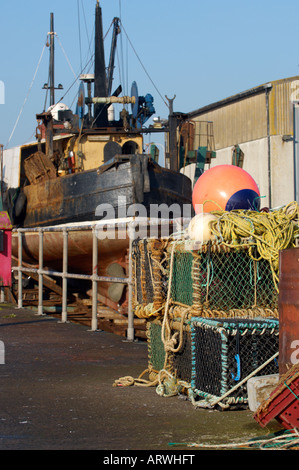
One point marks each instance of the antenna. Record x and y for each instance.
(51, 73)
(52, 65)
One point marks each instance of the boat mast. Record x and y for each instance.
(100, 81)
(51, 83)
(51, 71)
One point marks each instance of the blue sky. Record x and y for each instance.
(200, 51)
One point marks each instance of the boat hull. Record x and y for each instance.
(114, 191)
(108, 192)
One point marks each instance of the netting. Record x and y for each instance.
(174, 282)
(231, 280)
(179, 364)
(215, 280)
(156, 351)
(223, 279)
(226, 351)
(150, 276)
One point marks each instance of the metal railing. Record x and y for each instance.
(65, 275)
(129, 224)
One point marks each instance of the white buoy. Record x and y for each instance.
(199, 229)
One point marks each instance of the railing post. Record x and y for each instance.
(94, 319)
(130, 330)
(20, 260)
(40, 275)
(64, 276)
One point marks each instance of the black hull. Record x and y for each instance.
(76, 197)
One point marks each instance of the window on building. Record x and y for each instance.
(237, 156)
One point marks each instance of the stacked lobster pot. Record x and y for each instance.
(212, 315)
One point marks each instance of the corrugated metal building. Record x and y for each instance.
(260, 122)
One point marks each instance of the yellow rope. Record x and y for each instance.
(267, 232)
(147, 311)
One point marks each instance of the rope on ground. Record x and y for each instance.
(128, 381)
(281, 441)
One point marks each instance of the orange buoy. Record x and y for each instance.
(225, 187)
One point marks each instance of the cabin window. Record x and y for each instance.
(111, 149)
(129, 147)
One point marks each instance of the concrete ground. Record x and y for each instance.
(57, 393)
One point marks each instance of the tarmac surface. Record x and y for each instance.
(57, 394)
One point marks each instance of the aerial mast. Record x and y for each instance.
(51, 71)
(51, 83)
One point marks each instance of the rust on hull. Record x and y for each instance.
(126, 181)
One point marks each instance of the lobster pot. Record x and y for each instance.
(226, 351)
(220, 281)
(150, 276)
(179, 363)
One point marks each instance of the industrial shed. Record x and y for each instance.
(254, 129)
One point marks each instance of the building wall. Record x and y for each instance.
(238, 122)
(264, 130)
(282, 171)
(281, 99)
(280, 180)
(257, 167)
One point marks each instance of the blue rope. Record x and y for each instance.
(291, 391)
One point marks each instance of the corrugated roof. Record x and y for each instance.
(243, 117)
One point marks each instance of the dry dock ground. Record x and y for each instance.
(57, 394)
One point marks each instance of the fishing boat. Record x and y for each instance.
(83, 159)
(85, 166)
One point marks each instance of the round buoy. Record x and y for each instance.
(198, 228)
(225, 187)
